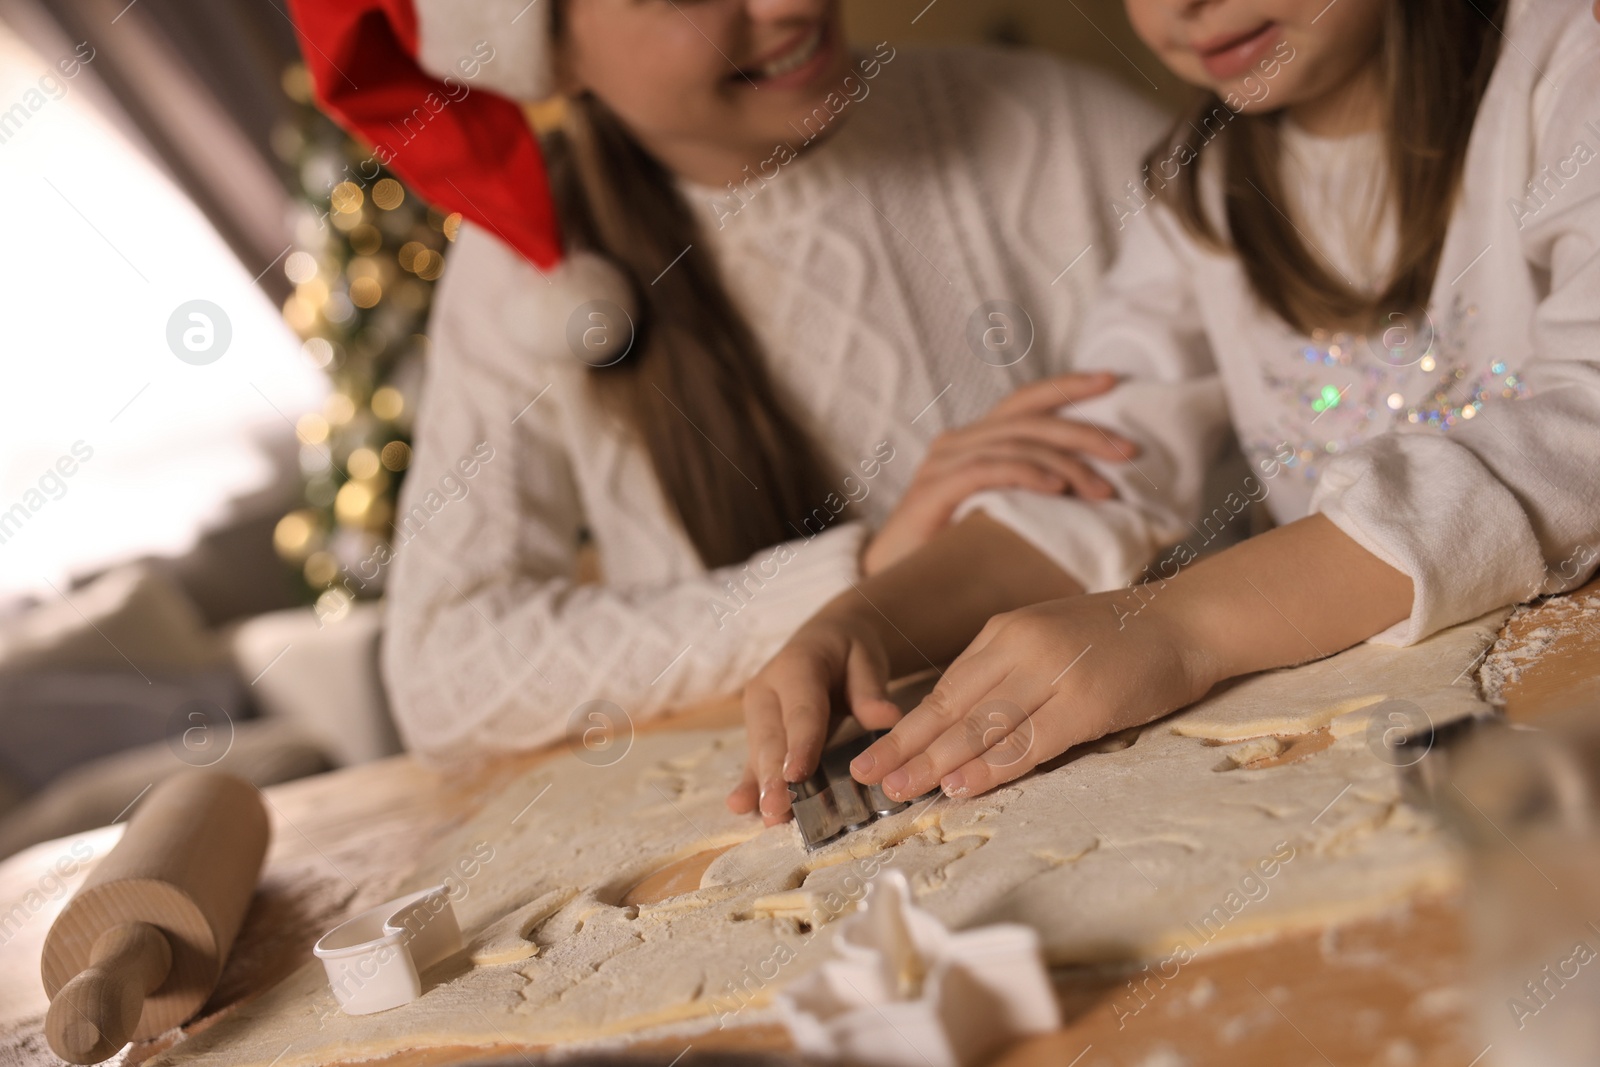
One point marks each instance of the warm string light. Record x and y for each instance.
(366, 257)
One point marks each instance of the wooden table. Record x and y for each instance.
(1385, 990)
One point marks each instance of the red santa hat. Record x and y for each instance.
(434, 86)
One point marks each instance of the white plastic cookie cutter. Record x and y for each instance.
(902, 990)
(374, 961)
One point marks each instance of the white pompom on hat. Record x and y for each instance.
(433, 86)
(517, 31)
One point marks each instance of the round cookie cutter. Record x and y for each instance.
(374, 961)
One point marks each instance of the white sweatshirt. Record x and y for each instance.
(957, 177)
(1464, 450)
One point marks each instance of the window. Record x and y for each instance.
(111, 445)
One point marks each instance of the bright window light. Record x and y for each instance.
(111, 445)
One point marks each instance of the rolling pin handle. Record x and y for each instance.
(95, 1014)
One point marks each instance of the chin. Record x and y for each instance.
(1251, 107)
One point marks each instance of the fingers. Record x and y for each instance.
(1051, 431)
(940, 488)
(931, 503)
(989, 720)
(956, 693)
(1050, 393)
(1062, 469)
(1065, 435)
(999, 470)
(786, 720)
(767, 738)
(1077, 475)
(806, 710)
(865, 686)
(743, 798)
(982, 724)
(1059, 721)
(787, 715)
(996, 735)
(1036, 738)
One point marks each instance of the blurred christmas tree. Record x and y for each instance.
(367, 255)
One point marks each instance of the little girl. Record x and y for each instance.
(1382, 229)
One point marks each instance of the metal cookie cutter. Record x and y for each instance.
(374, 960)
(830, 802)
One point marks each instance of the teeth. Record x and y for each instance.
(794, 60)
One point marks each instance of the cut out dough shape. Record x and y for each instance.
(1247, 752)
(509, 939)
(1112, 855)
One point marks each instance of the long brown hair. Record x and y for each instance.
(1437, 58)
(740, 472)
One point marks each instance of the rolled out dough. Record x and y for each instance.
(1114, 853)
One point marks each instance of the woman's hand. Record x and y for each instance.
(1020, 444)
(1035, 682)
(788, 705)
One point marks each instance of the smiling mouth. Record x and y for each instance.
(1229, 57)
(1218, 45)
(802, 53)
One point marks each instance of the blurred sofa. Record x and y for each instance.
(123, 681)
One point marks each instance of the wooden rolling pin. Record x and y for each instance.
(139, 948)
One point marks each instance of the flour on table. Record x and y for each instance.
(1135, 850)
(1511, 655)
(1299, 700)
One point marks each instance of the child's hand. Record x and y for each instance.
(788, 704)
(1034, 683)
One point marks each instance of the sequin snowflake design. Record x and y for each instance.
(1342, 389)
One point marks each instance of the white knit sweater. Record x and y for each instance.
(965, 176)
(1463, 450)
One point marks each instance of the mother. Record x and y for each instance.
(834, 261)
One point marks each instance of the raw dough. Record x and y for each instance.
(509, 939)
(1435, 675)
(1114, 853)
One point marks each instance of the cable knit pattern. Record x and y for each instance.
(966, 175)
